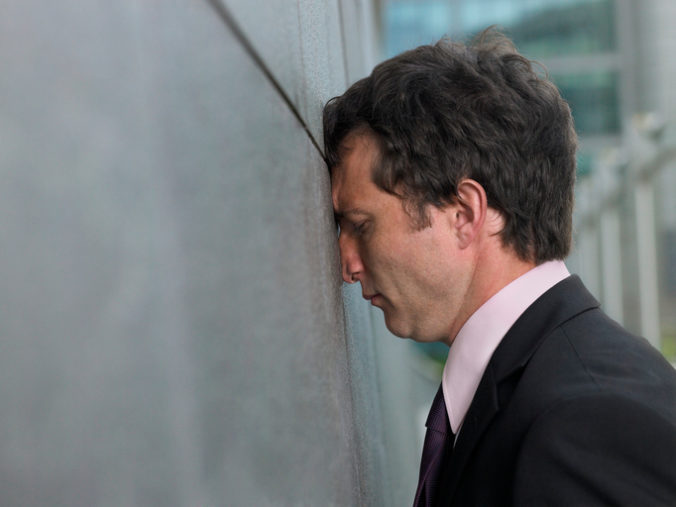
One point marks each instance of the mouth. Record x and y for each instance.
(371, 297)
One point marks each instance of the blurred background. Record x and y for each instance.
(174, 326)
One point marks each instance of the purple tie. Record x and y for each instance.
(438, 439)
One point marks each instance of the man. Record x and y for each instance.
(452, 183)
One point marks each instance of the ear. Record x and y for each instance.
(470, 211)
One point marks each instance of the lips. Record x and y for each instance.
(371, 297)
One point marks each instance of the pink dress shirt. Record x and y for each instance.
(482, 333)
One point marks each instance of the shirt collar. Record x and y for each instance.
(478, 338)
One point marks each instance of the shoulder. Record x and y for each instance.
(602, 419)
(590, 410)
(592, 355)
(600, 448)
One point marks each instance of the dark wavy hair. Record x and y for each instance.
(449, 111)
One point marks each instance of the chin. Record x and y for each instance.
(396, 328)
(399, 329)
(403, 329)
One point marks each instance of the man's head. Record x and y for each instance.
(439, 129)
(446, 112)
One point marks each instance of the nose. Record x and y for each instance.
(350, 261)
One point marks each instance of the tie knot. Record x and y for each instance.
(437, 419)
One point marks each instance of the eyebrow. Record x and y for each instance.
(352, 211)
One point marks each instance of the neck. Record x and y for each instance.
(494, 269)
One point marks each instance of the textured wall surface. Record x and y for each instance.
(173, 326)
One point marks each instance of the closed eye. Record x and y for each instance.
(345, 225)
(360, 228)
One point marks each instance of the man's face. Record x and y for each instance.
(417, 277)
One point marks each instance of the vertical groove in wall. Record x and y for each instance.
(358, 444)
(238, 33)
(365, 390)
(341, 20)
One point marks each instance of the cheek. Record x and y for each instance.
(378, 256)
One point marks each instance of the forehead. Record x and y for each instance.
(351, 178)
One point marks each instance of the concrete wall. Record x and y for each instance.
(173, 327)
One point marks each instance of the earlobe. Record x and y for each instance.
(471, 212)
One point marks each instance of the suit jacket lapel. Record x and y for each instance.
(484, 407)
(560, 303)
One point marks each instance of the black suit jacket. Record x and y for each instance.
(572, 410)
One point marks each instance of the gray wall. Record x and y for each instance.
(173, 327)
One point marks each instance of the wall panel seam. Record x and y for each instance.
(229, 21)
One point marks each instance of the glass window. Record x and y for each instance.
(543, 28)
(540, 28)
(411, 24)
(593, 98)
